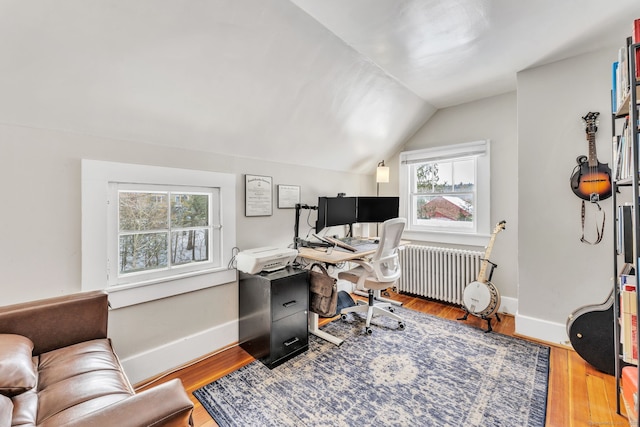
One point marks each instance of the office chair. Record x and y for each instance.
(381, 271)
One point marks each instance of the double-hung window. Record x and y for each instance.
(163, 231)
(151, 232)
(444, 193)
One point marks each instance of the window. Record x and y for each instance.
(445, 193)
(163, 231)
(156, 231)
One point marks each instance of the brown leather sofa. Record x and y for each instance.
(57, 368)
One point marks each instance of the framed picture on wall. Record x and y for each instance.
(288, 196)
(258, 195)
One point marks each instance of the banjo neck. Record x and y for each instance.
(482, 275)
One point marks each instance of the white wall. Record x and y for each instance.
(544, 271)
(494, 119)
(41, 251)
(558, 273)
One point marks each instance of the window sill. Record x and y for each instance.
(127, 295)
(447, 237)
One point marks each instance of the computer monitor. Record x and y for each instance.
(335, 211)
(377, 209)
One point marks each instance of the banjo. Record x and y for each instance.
(481, 298)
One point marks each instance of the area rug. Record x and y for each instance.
(435, 372)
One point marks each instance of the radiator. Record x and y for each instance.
(437, 273)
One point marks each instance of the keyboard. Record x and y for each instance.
(364, 247)
(352, 244)
(339, 243)
(354, 241)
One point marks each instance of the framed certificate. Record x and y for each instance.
(258, 198)
(288, 196)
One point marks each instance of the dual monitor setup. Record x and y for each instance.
(336, 211)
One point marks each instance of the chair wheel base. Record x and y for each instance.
(343, 316)
(368, 330)
(401, 325)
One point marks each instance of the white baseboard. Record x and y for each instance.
(508, 305)
(148, 364)
(542, 330)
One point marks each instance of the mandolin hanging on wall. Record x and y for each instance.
(591, 180)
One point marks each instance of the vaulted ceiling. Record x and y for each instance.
(337, 84)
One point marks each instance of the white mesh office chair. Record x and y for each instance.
(379, 272)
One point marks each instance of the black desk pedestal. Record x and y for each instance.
(273, 314)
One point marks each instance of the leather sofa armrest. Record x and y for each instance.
(166, 405)
(58, 322)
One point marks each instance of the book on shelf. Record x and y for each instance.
(629, 326)
(630, 393)
(624, 223)
(635, 39)
(628, 283)
(614, 87)
(622, 159)
(620, 70)
(628, 313)
(617, 158)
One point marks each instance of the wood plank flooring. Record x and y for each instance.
(578, 394)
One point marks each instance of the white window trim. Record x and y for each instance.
(117, 279)
(483, 173)
(96, 176)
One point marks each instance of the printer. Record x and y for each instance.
(268, 259)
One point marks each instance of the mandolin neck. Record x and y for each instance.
(593, 158)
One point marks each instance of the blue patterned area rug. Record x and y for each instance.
(434, 373)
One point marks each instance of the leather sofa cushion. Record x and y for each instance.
(25, 409)
(6, 409)
(17, 373)
(79, 379)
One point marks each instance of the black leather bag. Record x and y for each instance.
(323, 292)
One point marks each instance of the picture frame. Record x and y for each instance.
(288, 196)
(258, 195)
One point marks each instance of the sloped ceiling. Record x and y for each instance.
(336, 84)
(453, 51)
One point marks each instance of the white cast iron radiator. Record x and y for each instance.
(437, 273)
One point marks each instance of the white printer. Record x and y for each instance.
(253, 261)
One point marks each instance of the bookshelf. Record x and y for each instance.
(626, 209)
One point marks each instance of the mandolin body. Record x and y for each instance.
(591, 180)
(592, 183)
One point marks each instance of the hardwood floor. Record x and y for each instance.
(578, 394)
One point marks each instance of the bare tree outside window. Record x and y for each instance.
(158, 230)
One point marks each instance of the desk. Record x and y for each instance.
(333, 258)
(337, 256)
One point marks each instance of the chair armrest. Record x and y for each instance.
(165, 405)
(391, 271)
(366, 264)
(58, 322)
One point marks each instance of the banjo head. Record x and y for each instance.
(481, 299)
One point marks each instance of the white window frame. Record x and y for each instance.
(115, 277)
(480, 150)
(98, 229)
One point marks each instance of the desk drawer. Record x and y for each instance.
(289, 335)
(289, 296)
